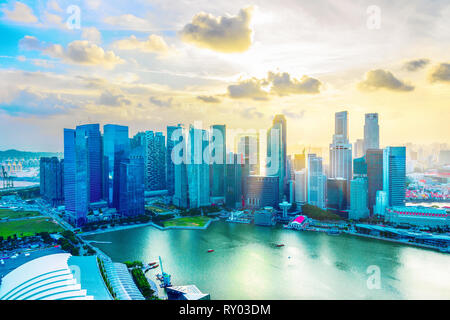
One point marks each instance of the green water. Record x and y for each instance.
(246, 263)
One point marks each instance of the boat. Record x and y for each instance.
(280, 245)
(152, 264)
(210, 250)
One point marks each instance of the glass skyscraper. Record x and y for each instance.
(219, 153)
(155, 161)
(116, 147)
(316, 182)
(170, 167)
(131, 188)
(374, 160)
(278, 161)
(394, 175)
(371, 132)
(82, 170)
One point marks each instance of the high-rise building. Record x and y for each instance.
(170, 167)
(341, 150)
(131, 193)
(299, 162)
(155, 161)
(116, 148)
(358, 148)
(358, 199)
(300, 187)
(52, 180)
(198, 168)
(218, 166)
(359, 167)
(233, 185)
(374, 160)
(248, 147)
(371, 132)
(337, 196)
(179, 158)
(261, 191)
(316, 182)
(82, 171)
(276, 152)
(394, 175)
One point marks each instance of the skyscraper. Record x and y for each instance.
(299, 161)
(155, 161)
(180, 156)
(248, 147)
(359, 190)
(198, 169)
(394, 175)
(371, 132)
(358, 148)
(276, 152)
(170, 167)
(300, 186)
(82, 170)
(51, 180)
(116, 147)
(374, 160)
(316, 182)
(341, 150)
(131, 193)
(337, 196)
(233, 190)
(218, 154)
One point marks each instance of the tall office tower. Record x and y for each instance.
(300, 186)
(358, 148)
(138, 140)
(299, 161)
(131, 188)
(198, 168)
(337, 196)
(170, 167)
(358, 199)
(394, 175)
(52, 180)
(155, 161)
(248, 147)
(278, 161)
(371, 132)
(341, 150)
(261, 191)
(116, 147)
(180, 157)
(233, 185)
(374, 160)
(219, 158)
(82, 170)
(359, 190)
(316, 182)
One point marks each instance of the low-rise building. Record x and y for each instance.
(418, 216)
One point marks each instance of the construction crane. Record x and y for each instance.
(164, 277)
(7, 180)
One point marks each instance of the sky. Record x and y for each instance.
(152, 63)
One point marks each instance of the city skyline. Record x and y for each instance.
(143, 66)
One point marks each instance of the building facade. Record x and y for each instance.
(371, 132)
(394, 175)
(374, 161)
(261, 191)
(155, 161)
(52, 180)
(316, 182)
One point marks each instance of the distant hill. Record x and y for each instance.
(17, 154)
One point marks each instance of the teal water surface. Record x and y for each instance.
(247, 264)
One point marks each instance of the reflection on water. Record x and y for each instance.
(247, 265)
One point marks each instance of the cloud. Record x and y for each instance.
(440, 73)
(283, 84)
(91, 34)
(415, 65)
(209, 99)
(53, 5)
(128, 22)
(248, 89)
(77, 52)
(20, 13)
(382, 79)
(27, 103)
(51, 19)
(160, 102)
(109, 99)
(251, 113)
(153, 43)
(222, 34)
(278, 84)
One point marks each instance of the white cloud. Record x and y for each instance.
(128, 22)
(153, 43)
(91, 34)
(20, 13)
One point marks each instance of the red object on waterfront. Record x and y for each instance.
(280, 245)
(210, 250)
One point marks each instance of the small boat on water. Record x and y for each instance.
(280, 245)
(210, 250)
(152, 264)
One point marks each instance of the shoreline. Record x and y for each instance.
(149, 224)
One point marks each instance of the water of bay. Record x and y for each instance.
(247, 264)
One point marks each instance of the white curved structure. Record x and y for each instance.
(55, 277)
